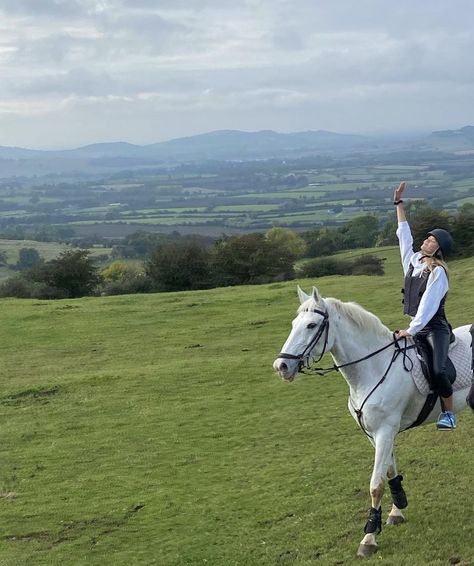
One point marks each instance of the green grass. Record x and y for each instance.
(152, 430)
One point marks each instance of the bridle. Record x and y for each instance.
(304, 358)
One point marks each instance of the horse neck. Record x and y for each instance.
(352, 344)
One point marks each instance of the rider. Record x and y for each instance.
(426, 286)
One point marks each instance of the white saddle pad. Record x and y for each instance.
(460, 355)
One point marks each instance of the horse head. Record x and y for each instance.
(308, 337)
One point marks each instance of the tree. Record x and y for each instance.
(72, 274)
(242, 259)
(324, 241)
(424, 218)
(287, 241)
(463, 230)
(250, 258)
(28, 258)
(388, 234)
(179, 265)
(361, 232)
(117, 271)
(120, 278)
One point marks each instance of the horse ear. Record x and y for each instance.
(302, 295)
(315, 295)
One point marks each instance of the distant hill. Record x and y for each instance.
(222, 144)
(452, 140)
(21, 153)
(225, 145)
(234, 144)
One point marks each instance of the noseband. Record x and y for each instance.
(304, 357)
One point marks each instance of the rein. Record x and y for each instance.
(398, 350)
(407, 367)
(304, 360)
(407, 364)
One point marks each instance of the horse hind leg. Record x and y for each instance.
(399, 501)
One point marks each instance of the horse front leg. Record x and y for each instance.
(383, 441)
(399, 497)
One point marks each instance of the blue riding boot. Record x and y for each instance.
(446, 421)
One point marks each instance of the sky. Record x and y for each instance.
(74, 72)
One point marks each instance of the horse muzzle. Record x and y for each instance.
(287, 369)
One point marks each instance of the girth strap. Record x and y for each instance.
(425, 410)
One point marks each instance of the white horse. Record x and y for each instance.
(383, 397)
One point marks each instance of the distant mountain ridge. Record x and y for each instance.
(221, 145)
(224, 144)
(467, 132)
(452, 140)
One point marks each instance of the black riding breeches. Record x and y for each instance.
(435, 341)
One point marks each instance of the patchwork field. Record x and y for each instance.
(225, 197)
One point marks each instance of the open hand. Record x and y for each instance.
(397, 195)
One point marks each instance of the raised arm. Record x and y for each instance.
(398, 202)
(405, 238)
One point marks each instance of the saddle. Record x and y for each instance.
(458, 369)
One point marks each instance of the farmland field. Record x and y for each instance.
(152, 430)
(225, 197)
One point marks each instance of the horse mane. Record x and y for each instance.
(360, 317)
(363, 319)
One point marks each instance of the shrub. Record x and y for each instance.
(324, 266)
(367, 265)
(368, 269)
(45, 292)
(18, 287)
(137, 284)
(363, 265)
(118, 271)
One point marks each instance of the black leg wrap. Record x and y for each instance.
(399, 497)
(374, 523)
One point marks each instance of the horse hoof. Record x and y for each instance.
(395, 519)
(366, 550)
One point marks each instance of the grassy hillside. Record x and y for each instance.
(152, 430)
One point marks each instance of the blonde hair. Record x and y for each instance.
(435, 261)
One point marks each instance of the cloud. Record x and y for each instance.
(44, 8)
(225, 64)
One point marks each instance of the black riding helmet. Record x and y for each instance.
(444, 239)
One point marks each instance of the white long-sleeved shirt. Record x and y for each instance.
(436, 287)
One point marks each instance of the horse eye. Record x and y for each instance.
(312, 325)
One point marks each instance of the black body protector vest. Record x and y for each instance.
(413, 291)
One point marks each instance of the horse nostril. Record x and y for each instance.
(283, 366)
